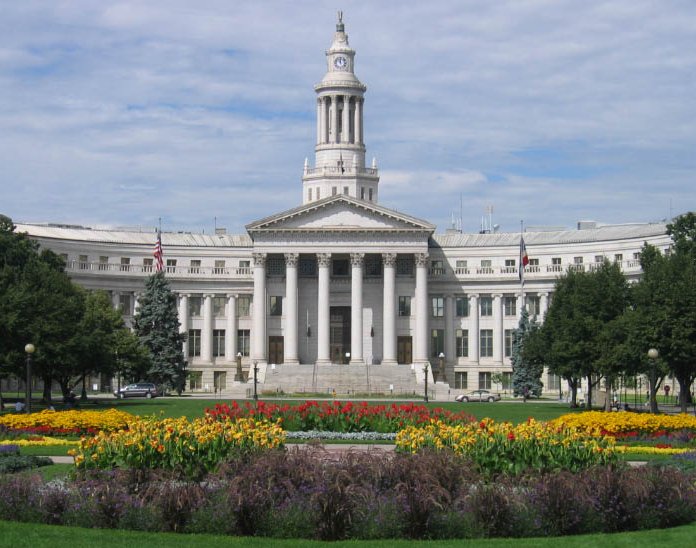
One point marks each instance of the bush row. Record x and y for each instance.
(308, 493)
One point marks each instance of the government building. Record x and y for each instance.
(342, 293)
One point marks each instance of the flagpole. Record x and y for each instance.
(522, 266)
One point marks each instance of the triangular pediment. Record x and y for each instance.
(340, 214)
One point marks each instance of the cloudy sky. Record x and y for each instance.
(117, 113)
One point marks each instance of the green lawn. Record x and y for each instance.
(18, 535)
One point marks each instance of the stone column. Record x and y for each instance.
(116, 299)
(184, 319)
(323, 309)
(543, 306)
(231, 329)
(345, 134)
(290, 309)
(334, 119)
(520, 305)
(389, 310)
(498, 331)
(136, 304)
(319, 120)
(207, 331)
(357, 125)
(356, 308)
(473, 328)
(450, 342)
(258, 339)
(421, 342)
(325, 119)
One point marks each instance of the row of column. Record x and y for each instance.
(327, 109)
(259, 347)
(208, 321)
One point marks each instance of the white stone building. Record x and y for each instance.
(341, 292)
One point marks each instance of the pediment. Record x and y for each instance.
(340, 214)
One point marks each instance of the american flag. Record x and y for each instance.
(159, 267)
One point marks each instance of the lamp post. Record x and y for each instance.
(442, 367)
(425, 370)
(238, 374)
(653, 354)
(256, 371)
(29, 349)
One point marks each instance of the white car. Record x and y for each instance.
(478, 395)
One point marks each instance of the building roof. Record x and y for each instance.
(598, 234)
(122, 236)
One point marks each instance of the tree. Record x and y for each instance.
(526, 372)
(157, 326)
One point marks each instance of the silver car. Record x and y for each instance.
(478, 395)
(138, 390)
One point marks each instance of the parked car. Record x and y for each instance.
(138, 390)
(478, 395)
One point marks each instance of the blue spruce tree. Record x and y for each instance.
(526, 376)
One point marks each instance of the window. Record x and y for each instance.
(243, 305)
(84, 262)
(484, 380)
(599, 259)
(219, 267)
(171, 265)
(636, 256)
(510, 263)
(340, 267)
(195, 380)
(103, 263)
(219, 380)
(194, 342)
(508, 342)
(554, 382)
(556, 260)
(438, 307)
(486, 306)
(307, 267)
(437, 342)
(461, 306)
(195, 267)
(533, 262)
(373, 266)
(486, 267)
(124, 304)
(577, 260)
(362, 192)
(318, 193)
(404, 305)
(437, 267)
(404, 265)
(275, 267)
(460, 380)
(147, 265)
(486, 343)
(510, 306)
(243, 342)
(461, 266)
(506, 380)
(369, 196)
(218, 342)
(462, 343)
(276, 305)
(618, 257)
(533, 305)
(195, 304)
(125, 264)
(244, 266)
(219, 306)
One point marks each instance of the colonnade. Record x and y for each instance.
(331, 108)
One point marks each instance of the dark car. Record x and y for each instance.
(138, 390)
(478, 395)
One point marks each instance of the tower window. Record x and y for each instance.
(362, 193)
(370, 195)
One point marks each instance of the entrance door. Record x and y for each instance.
(339, 334)
(404, 350)
(275, 350)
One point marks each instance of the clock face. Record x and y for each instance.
(340, 62)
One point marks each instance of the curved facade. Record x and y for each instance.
(341, 291)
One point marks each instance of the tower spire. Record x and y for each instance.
(340, 27)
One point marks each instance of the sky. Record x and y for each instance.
(201, 114)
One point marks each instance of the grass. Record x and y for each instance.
(19, 535)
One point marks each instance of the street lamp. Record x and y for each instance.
(442, 366)
(425, 370)
(256, 371)
(29, 349)
(238, 374)
(653, 354)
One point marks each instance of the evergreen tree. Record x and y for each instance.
(526, 373)
(157, 326)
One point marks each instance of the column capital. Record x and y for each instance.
(184, 295)
(356, 259)
(497, 295)
(259, 259)
(208, 295)
(291, 259)
(231, 295)
(389, 259)
(543, 294)
(324, 259)
(421, 259)
(473, 295)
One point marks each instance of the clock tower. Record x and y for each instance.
(340, 150)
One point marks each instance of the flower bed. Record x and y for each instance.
(341, 416)
(68, 422)
(622, 423)
(38, 441)
(505, 448)
(177, 444)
